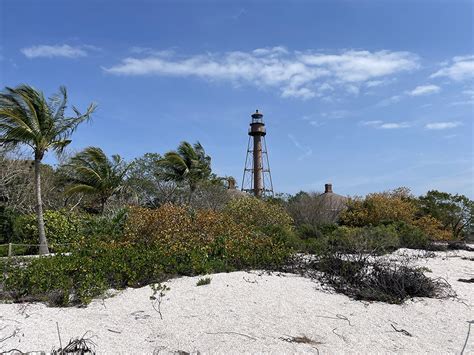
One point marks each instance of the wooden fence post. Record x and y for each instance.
(9, 249)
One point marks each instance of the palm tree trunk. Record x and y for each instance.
(192, 188)
(102, 205)
(43, 249)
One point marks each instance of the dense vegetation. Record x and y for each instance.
(113, 224)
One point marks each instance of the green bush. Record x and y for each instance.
(308, 231)
(7, 218)
(267, 217)
(156, 244)
(203, 281)
(69, 228)
(61, 227)
(412, 237)
(258, 213)
(107, 227)
(378, 240)
(87, 272)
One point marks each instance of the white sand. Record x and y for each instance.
(248, 312)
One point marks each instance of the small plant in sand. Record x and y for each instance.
(204, 281)
(159, 291)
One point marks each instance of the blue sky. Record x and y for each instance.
(368, 95)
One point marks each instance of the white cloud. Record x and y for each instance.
(294, 74)
(371, 123)
(442, 125)
(460, 68)
(394, 125)
(47, 51)
(425, 90)
(385, 125)
(374, 83)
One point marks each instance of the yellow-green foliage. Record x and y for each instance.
(391, 207)
(432, 228)
(257, 213)
(61, 227)
(203, 234)
(376, 208)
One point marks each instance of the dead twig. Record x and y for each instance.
(16, 352)
(467, 336)
(59, 336)
(403, 331)
(114, 331)
(339, 335)
(338, 317)
(15, 332)
(249, 281)
(236, 333)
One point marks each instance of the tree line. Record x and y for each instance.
(89, 179)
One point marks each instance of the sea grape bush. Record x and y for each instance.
(156, 244)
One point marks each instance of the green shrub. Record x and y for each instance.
(7, 218)
(412, 237)
(61, 227)
(378, 240)
(258, 213)
(267, 217)
(307, 231)
(156, 244)
(203, 281)
(69, 228)
(106, 227)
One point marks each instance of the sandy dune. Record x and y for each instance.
(255, 313)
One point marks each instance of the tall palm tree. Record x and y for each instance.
(27, 118)
(188, 164)
(91, 172)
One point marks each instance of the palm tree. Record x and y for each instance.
(92, 173)
(27, 118)
(188, 164)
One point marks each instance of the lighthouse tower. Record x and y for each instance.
(257, 179)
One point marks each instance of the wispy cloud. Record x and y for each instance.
(388, 101)
(425, 90)
(307, 151)
(469, 101)
(442, 125)
(392, 125)
(374, 123)
(294, 73)
(51, 51)
(385, 125)
(460, 68)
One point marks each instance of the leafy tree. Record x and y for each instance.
(91, 172)
(453, 211)
(147, 182)
(378, 208)
(28, 118)
(189, 164)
